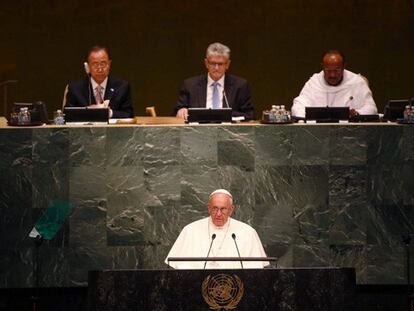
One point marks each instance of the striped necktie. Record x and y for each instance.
(98, 94)
(216, 96)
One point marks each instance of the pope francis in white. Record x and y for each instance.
(195, 239)
(335, 87)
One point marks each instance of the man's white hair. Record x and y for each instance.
(217, 48)
(222, 191)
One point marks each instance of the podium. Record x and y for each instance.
(249, 289)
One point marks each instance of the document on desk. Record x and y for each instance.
(238, 119)
(125, 120)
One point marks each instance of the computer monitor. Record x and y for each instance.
(206, 115)
(394, 109)
(327, 114)
(38, 111)
(86, 115)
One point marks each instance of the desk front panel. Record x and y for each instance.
(318, 195)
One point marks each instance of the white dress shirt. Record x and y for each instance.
(220, 86)
(103, 86)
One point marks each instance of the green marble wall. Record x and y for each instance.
(318, 195)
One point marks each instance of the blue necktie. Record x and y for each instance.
(216, 96)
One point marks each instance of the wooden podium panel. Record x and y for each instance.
(265, 289)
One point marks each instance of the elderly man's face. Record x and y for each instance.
(220, 208)
(333, 69)
(99, 65)
(217, 66)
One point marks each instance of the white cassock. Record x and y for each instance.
(352, 92)
(194, 241)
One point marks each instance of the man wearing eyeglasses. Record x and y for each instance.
(335, 86)
(216, 89)
(215, 236)
(100, 89)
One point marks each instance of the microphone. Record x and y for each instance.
(235, 243)
(211, 244)
(225, 99)
(86, 66)
(88, 73)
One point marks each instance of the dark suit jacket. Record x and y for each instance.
(80, 94)
(193, 94)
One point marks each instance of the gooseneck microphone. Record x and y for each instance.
(237, 248)
(209, 250)
(225, 99)
(88, 73)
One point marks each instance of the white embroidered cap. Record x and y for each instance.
(224, 191)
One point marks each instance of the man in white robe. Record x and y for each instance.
(195, 239)
(335, 86)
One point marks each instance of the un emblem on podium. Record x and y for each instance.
(222, 291)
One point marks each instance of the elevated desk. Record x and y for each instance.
(318, 195)
(269, 289)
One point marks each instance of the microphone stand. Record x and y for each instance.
(48, 224)
(225, 99)
(209, 250)
(89, 89)
(35, 298)
(88, 74)
(237, 248)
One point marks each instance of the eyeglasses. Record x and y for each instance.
(213, 64)
(337, 70)
(99, 64)
(223, 210)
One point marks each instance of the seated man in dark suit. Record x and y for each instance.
(216, 89)
(99, 89)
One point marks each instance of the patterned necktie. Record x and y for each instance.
(98, 94)
(216, 96)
